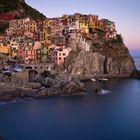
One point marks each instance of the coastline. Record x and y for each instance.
(59, 86)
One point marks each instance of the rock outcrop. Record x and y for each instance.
(87, 63)
(60, 86)
(10, 90)
(114, 61)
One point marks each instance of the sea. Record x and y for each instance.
(113, 115)
(137, 62)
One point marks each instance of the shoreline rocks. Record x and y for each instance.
(59, 86)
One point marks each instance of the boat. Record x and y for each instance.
(102, 79)
(93, 79)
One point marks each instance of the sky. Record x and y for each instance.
(125, 14)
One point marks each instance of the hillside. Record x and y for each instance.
(16, 9)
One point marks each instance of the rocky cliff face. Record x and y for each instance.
(114, 60)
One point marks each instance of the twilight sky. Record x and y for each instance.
(125, 13)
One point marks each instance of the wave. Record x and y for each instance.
(103, 92)
(16, 100)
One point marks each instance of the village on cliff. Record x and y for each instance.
(49, 41)
(49, 57)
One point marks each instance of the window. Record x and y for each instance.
(27, 66)
(59, 58)
(64, 54)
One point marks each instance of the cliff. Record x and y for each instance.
(107, 58)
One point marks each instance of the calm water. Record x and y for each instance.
(114, 116)
(137, 62)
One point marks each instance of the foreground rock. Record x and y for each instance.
(9, 91)
(59, 86)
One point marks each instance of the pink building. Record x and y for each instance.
(61, 55)
(27, 53)
(29, 34)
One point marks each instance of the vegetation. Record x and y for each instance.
(8, 5)
(3, 27)
(96, 44)
(20, 7)
(119, 38)
(114, 41)
(13, 5)
(100, 33)
(92, 31)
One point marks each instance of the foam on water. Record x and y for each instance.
(16, 100)
(104, 92)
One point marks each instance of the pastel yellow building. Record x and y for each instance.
(5, 49)
(33, 26)
(46, 23)
(83, 25)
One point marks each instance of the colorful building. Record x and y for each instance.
(27, 53)
(5, 49)
(61, 55)
(42, 54)
(83, 26)
(93, 21)
(33, 26)
(14, 49)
